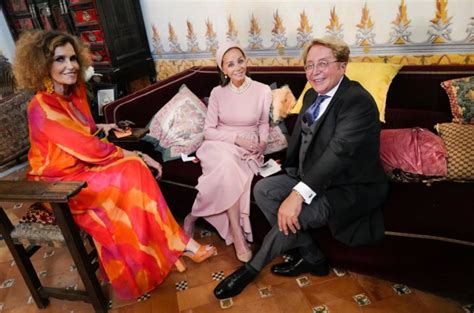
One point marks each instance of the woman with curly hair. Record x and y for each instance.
(122, 208)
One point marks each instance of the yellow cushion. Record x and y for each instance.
(299, 103)
(375, 77)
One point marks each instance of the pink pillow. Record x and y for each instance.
(413, 150)
(276, 140)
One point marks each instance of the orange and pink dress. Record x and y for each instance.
(122, 208)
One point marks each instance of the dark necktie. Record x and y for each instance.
(312, 112)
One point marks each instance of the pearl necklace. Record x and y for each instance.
(242, 88)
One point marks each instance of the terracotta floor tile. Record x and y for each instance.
(197, 296)
(164, 300)
(250, 294)
(343, 306)
(173, 277)
(290, 298)
(338, 288)
(202, 275)
(376, 289)
(408, 303)
(5, 255)
(207, 308)
(142, 307)
(17, 295)
(267, 305)
(62, 280)
(57, 305)
(31, 308)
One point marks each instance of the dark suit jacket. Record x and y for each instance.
(343, 163)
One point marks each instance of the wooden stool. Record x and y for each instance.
(57, 194)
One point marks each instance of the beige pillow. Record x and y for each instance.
(459, 142)
(283, 101)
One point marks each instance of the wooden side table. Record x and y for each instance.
(57, 194)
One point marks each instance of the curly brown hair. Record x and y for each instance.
(34, 57)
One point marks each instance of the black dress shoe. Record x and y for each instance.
(299, 266)
(235, 282)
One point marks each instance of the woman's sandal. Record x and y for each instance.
(204, 252)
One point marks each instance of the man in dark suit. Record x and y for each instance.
(333, 173)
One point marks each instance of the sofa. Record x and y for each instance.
(429, 242)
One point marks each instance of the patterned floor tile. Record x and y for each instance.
(401, 289)
(226, 303)
(361, 299)
(265, 292)
(7, 283)
(218, 275)
(144, 297)
(181, 285)
(320, 309)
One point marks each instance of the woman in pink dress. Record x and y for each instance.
(235, 137)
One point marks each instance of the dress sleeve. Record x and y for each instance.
(264, 121)
(211, 132)
(59, 129)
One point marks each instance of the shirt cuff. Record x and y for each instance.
(307, 193)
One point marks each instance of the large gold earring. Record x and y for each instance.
(48, 84)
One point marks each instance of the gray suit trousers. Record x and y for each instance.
(269, 193)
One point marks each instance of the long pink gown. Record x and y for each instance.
(227, 170)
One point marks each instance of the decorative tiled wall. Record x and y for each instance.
(187, 33)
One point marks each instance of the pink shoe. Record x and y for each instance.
(244, 257)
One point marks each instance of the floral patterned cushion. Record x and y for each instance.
(179, 125)
(461, 97)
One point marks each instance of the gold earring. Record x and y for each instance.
(48, 84)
